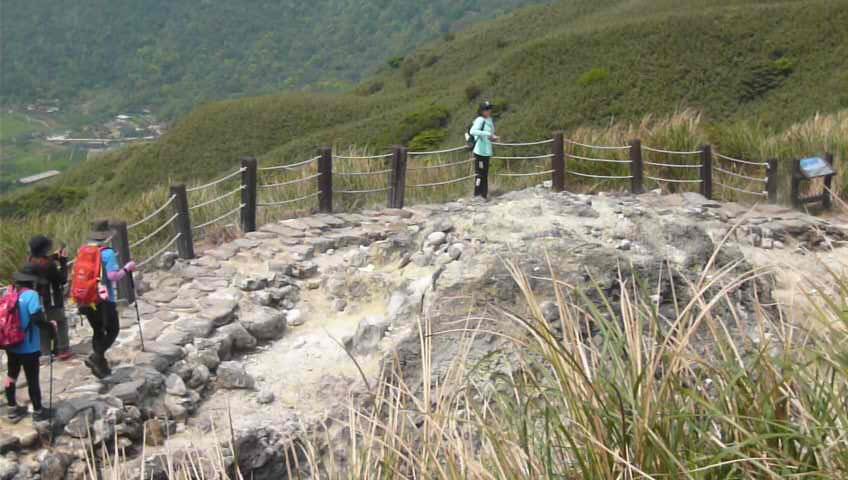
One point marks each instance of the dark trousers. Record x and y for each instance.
(29, 363)
(57, 339)
(481, 182)
(104, 321)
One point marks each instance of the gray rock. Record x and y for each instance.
(8, 468)
(265, 397)
(199, 376)
(339, 304)
(154, 360)
(176, 336)
(9, 443)
(240, 338)
(232, 375)
(175, 406)
(168, 350)
(443, 259)
(174, 385)
(368, 334)
(266, 299)
(81, 424)
(624, 245)
(168, 259)
(304, 270)
(197, 327)
(130, 393)
(550, 312)
(53, 464)
(455, 251)
(436, 238)
(265, 323)
(295, 318)
(422, 259)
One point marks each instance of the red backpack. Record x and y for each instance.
(11, 333)
(85, 281)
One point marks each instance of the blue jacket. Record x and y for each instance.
(483, 129)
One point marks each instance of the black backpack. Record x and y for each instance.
(471, 140)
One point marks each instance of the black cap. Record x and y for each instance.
(485, 106)
(39, 246)
(28, 274)
(100, 231)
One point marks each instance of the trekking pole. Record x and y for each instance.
(137, 314)
(50, 402)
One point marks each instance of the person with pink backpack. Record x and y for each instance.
(21, 319)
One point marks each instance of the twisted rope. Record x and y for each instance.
(531, 174)
(670, 180)
(673, 165)
(290, 166)
(737, 160)
(210, 222)
(356, 174)
(286, 202)
(436, 184)
(371, 157)
(672, 152)
(598, 147)
(221, 197)
(386, 189)
(155, 212)
(443, 165)
(161, 227)
(436, 152)
(592, 159)
(289, 182)
(603, 177)
(216, 182)
(741, 190)
(161, 251)
(526, 144)
(536, 157)
(739, 175)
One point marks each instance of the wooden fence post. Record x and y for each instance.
(771, 181)
(121, 244)
(827, 199)
(558, 162)
(707, 171)
(325, 180)
(182, 225)
(248, 194)
(637, 168)
(796, 183)
(397, 178)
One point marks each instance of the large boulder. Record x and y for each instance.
(232, 375)
(265, 323)
(239, 337)
(368, 334)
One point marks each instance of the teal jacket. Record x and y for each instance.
(482, 129)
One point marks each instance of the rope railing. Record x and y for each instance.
(290, 166)
(289, 182)
(215, 182)
(598, 147)
(673, 165)
(533, 157)
(358, 174)
(741, 190)
(594, 159)
(442, 165)
(437, 184)
(739, 175)
(374, 190)
(602, 177)
(438, 152)
(672, 152)
(739, 160)
(673, 180)
(525, 144)
(216, 199)
(210, 222)
(155, 232)
(160, 251)
(530, 174)
(155, 212)
(286, 202)
(364, 157)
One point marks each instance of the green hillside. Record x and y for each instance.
(119, 54)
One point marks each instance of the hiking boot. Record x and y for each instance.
(97, 366)
(41, 415)
(16, 413)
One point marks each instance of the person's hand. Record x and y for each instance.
(55, 325)
(129, 267)
(63, 253)
(495, 138)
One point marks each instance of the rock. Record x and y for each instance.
(368, 334)
(161, 296)
(624, 245)
(168, 350)
(232, 375)
(168, 259)
(8, 468)
(455, 251)
(339, 304)
(154, 360)
(9, 443)
(174, 385)
(220, 312)
(176, 336)
(265, 397)
(265, 324)
(266, 299)
(436, 238)
(29, 438)
(53, 465)
(80, 425)
(304, 270)
(422, 259)
(199, 376)
(176, 407)
(550, 312)
(197, 327)
(443, 260)
(240, 338)
(295, 318)
(130, 393)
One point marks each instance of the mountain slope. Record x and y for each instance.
(174, 55)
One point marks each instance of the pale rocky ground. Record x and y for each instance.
(255, 330)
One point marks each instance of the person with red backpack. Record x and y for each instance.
(21, 320)
(95, 274)
(52, 267)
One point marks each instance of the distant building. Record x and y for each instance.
(38, 177)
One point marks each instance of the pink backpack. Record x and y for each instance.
(11, 333)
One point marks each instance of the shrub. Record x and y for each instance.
(428, 139)
(408, 69)
(593, 76)
(449, 37)
(40, 200)
(784, 65)
(432, 117)
(370, 88)
(501, 43)
(395, 62)
(472, 92)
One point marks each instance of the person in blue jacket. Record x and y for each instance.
(25, 356)
(483, 131)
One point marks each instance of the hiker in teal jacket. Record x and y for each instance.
(483, 131)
